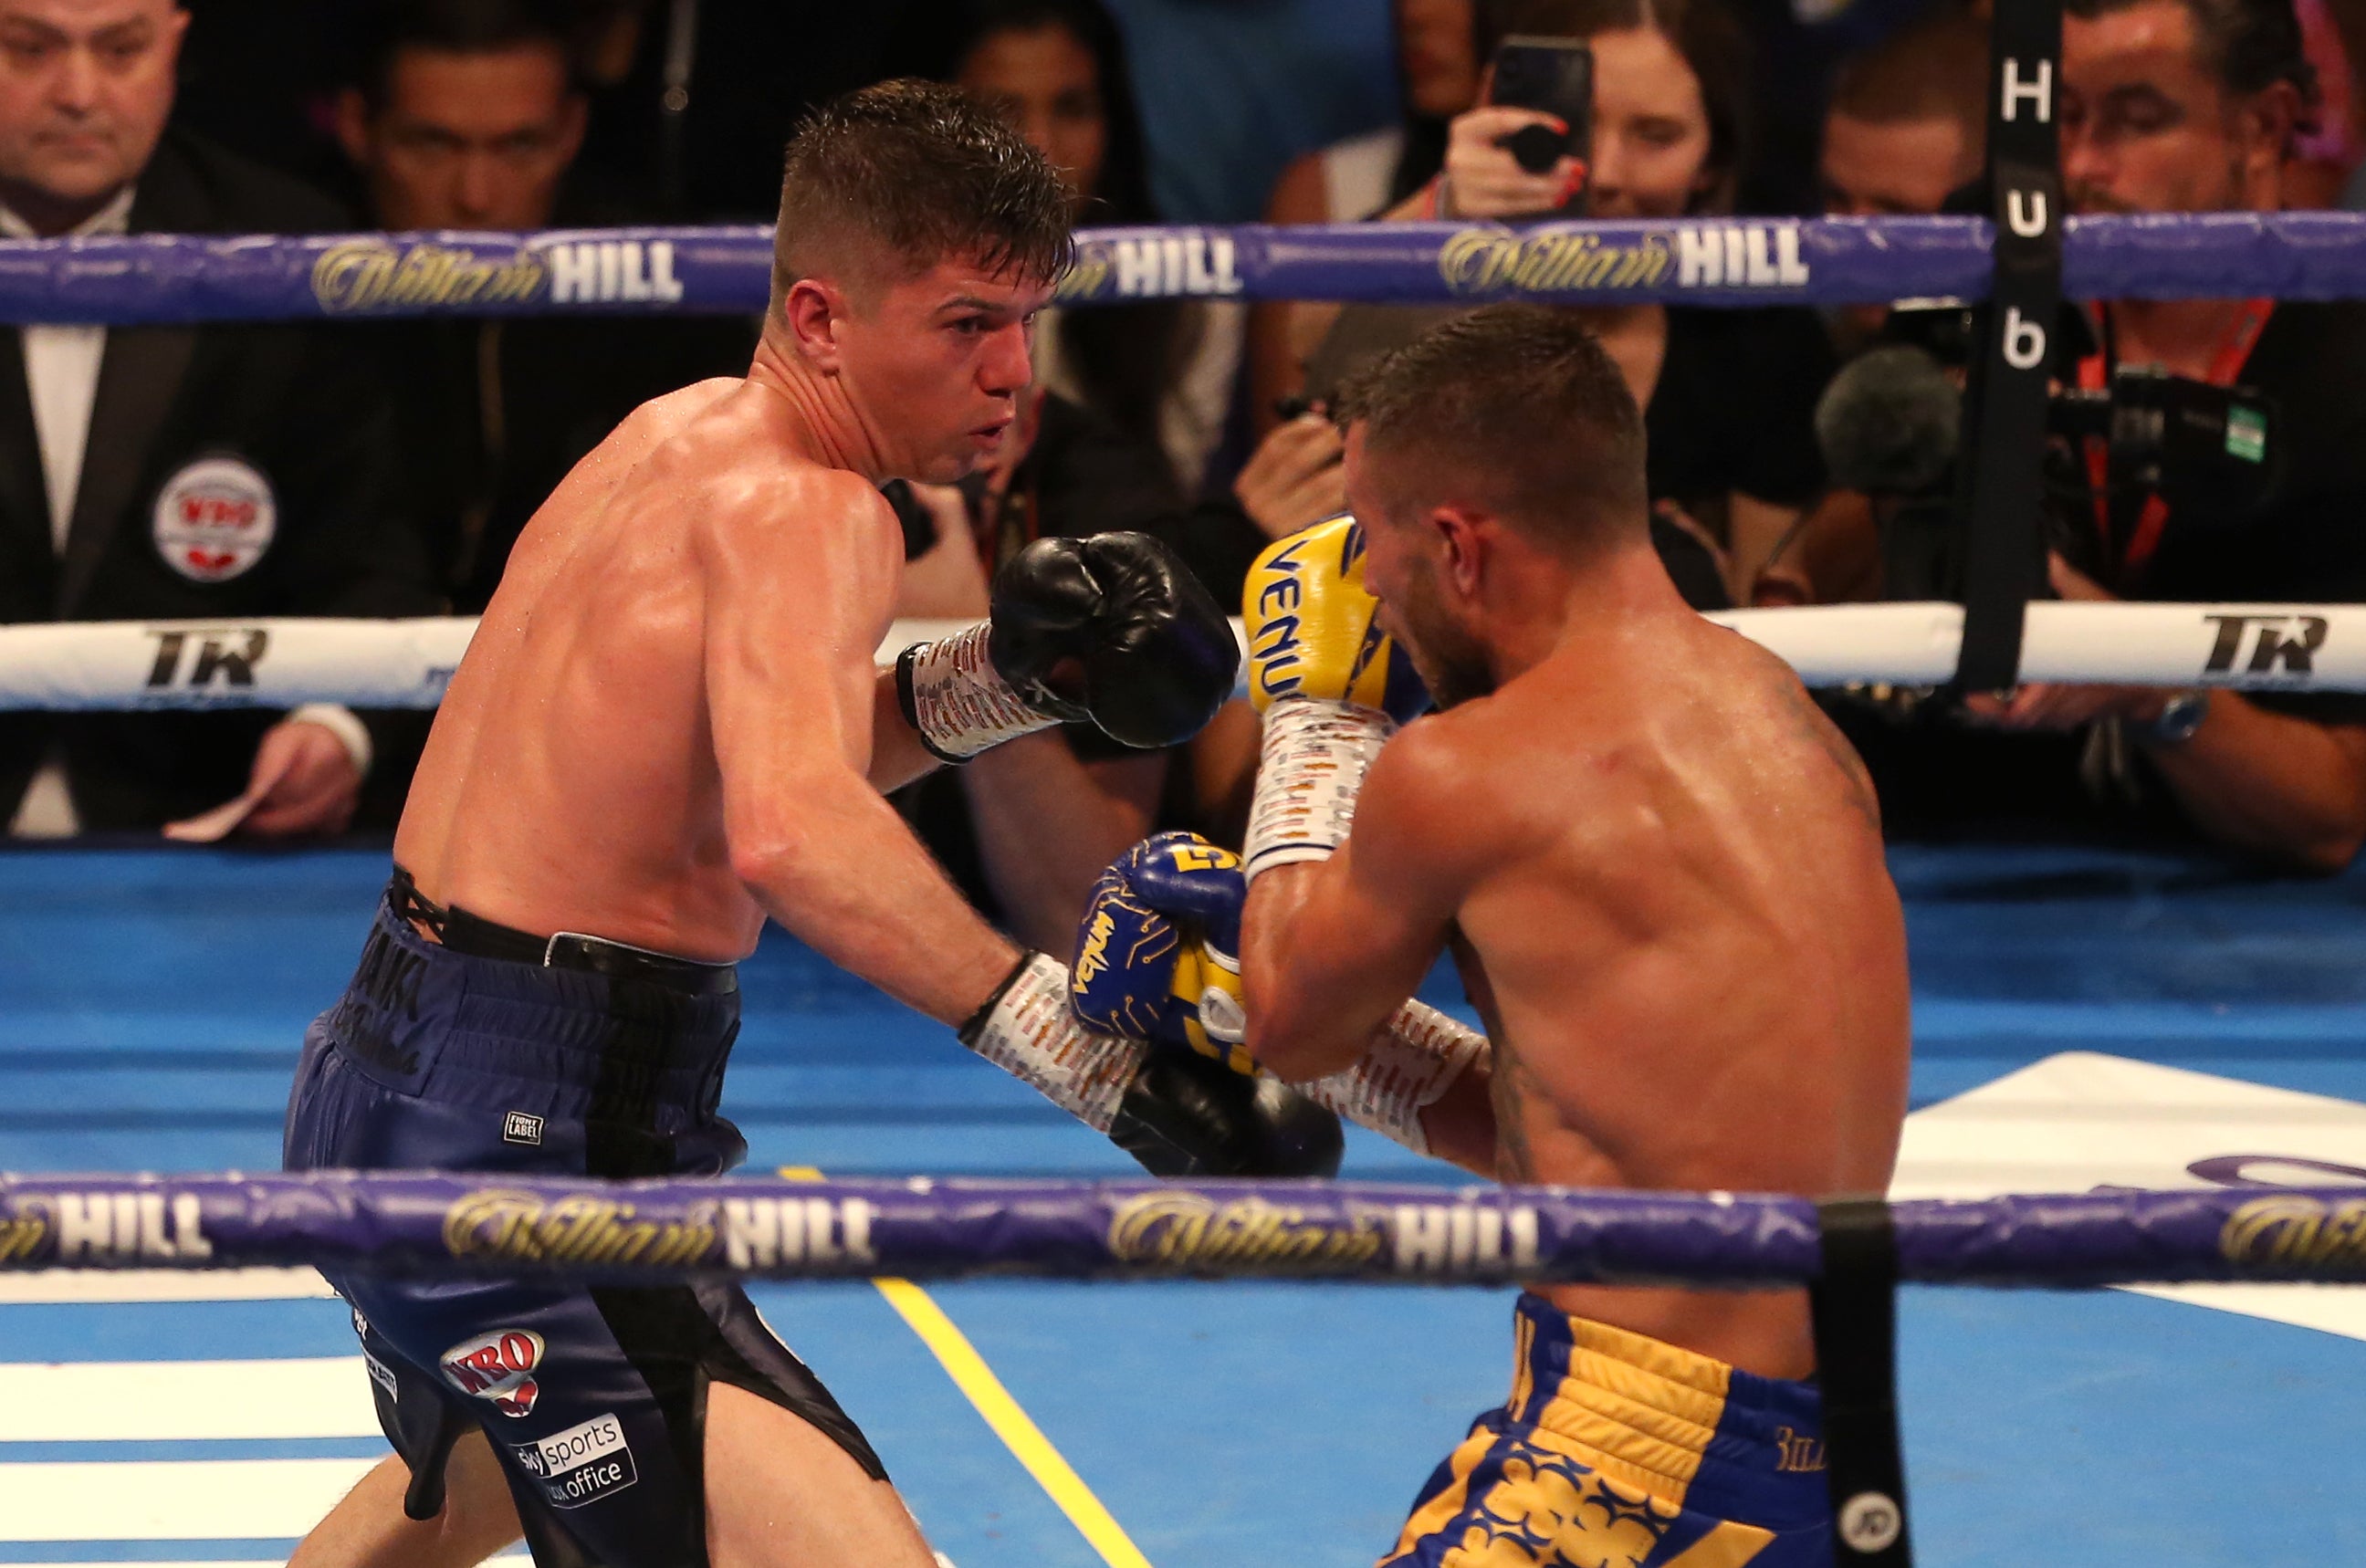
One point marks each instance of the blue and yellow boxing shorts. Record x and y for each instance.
(1615, 1450)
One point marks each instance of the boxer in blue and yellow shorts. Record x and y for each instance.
(1660, 871)
(1616, 1450)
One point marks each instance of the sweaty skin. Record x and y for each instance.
(668, 725)
(1661, 872)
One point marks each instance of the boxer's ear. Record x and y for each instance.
(1465, 535)
(813, 311)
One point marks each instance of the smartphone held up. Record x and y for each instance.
(1553, 76)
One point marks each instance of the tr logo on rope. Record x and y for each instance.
(194, 660)
(2278, 641)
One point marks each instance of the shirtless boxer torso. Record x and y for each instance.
(1661, 872)
(668, 728)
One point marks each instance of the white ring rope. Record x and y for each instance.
(281, 663)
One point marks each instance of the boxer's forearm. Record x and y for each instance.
(1306, 1019)
(897, 755)
(836, 866)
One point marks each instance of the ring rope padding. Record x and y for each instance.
(923, 1228)
(285, 662)
(145, 280)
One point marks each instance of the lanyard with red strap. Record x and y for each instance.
(2094, 375)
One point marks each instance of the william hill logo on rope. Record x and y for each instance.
(1556, 258)
(1164, 266)
(581, 1464)
(380, 273)
(106, 1228)
(1183, 1230)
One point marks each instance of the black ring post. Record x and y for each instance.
(2001, 494)
(1854, 1302)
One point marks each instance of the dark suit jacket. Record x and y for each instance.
(290, 400)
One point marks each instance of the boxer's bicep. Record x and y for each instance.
(790, 681)
(790, 693)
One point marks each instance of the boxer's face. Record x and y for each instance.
(84, 87)
(1408, 551)
(936, 364)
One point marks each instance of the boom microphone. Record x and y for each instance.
(1889, 424)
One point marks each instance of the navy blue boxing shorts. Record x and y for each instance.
(566, 1056)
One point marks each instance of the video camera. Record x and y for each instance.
(1889, 425)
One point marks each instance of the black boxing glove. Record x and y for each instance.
(1189, 1115)
(1113, 628)
(1177, 1113)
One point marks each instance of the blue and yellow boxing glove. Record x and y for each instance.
(1156, 953)
(1332, 687)
(1155, 963)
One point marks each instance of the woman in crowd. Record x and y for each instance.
(1162, 371)
(1727, 395)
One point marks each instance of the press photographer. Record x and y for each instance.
(2201, 450)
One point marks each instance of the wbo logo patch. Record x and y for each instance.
(215, 518)
(499, 1366)
(581, 1464)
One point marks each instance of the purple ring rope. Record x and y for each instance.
(927, 1228)
(145, 278)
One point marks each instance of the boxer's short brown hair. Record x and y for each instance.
(1514, 407)
(906, 174)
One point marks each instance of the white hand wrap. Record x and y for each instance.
(1027, 1032)
(1407, 1069)
(959, 705)
(1310, 767)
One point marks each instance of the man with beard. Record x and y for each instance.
(1661, 872)
(2192, 105)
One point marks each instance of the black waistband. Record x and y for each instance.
(463, 932)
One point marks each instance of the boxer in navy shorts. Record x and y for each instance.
(668, 730)
(456, 1048)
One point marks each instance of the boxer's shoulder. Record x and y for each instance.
(1439, 790)
(755, 497)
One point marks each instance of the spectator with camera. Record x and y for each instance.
(1904, 129)
(468, 114)
(221, 471)
(1727, 394)
(2182, 106)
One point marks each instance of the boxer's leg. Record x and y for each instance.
(369, 1530)
(780, 1493)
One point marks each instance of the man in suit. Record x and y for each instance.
(170, 471)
